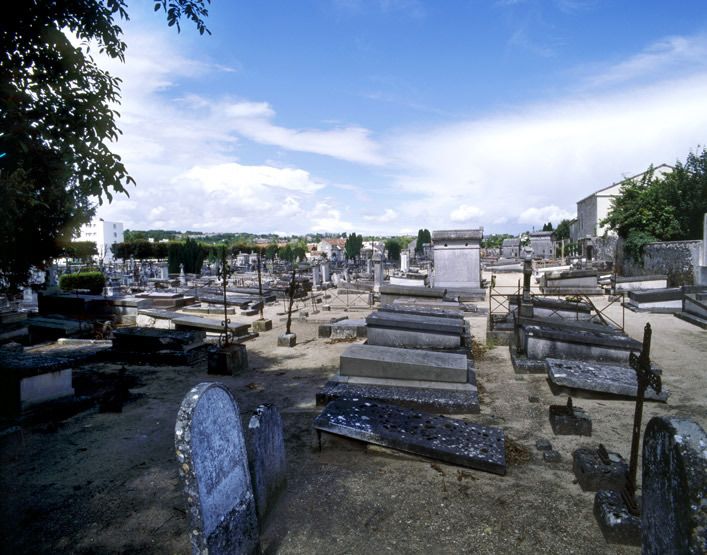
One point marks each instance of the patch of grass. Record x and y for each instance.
(516, 453)
(479, 350)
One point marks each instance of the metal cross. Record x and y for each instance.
(223, 272)
(645, 376)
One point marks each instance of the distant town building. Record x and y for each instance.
(510, 248)
(542, 243)
(104, 234)
(332, 248)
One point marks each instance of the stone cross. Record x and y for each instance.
(645, 376)
(213, 467)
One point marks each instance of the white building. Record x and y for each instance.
(104, 234)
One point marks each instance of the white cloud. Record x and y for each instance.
(543, 215)
(465, 213)
(388, 215)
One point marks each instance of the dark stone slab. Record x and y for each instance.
(438, 437)
(227, 361)
(599, 378)
(559, 305)
(266, 457)
(552, 456)
(443, 401)
(421, 310)
(408, 291)
(595, 474)
(572, 274)
(656, 295)
(152, 339)
(674, 487)
(568, 325)
(415, 322)
(213, 467)
(617, 524)
(570, 420)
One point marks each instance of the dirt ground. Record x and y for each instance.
(107, 483)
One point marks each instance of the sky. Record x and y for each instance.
(382, 117)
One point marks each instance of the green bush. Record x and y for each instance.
(93, 281)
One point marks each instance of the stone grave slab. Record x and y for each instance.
(389, 337)
(213, 467)
(406, 364)
(449, 440)
(266, 457)
(542, 342)
(159, 346)
(595, 473)
(423, 310)
(415, 322)
(348, 329)
(598, 378)
(674, 487)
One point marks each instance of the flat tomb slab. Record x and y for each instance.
(447, 439)
(153, 339)
(422, 310)
(437, 400)
(182, 322)
(598, 377)
(388, 337)
(592, 337)
(407, 291)
(416, 322)
(407, 364)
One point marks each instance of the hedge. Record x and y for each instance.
(93, 281)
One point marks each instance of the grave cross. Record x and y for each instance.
(223, 272)
(645, 376)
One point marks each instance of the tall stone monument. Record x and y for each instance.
(377, 272)
(316, 277)
(404, 261)
(325, 272)
(702, 275)
(457, 266)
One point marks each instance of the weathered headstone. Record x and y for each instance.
(316, 277)
(266, 457)
(325, 271)
(404, 261)
(213, 466)
(674, 487)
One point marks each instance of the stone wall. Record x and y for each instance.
(605, 248)
(679, 260)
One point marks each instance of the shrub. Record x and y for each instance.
(93, 281)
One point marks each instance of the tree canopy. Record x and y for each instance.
(661, 208)
(563, 230)
(423, 237)
(57, 122)
(353, 245)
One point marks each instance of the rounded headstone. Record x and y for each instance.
(674, 508)
(213, 466)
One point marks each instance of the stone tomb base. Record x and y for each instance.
(449, 440)
(617, 524)
(227, 361)
(594, 474)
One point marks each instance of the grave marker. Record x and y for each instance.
(213, 466)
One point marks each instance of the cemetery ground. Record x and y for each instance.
(107, 482)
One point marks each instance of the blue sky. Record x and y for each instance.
(385, 116)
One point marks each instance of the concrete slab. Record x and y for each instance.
(447, 439)
(598, 378)
(407, 364)
(387, 337)
(422, 310)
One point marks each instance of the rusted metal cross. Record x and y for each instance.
(223, 272)
(645, 377)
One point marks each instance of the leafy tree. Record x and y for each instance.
(495, 240)
(563, 230)
(667, 208)
(393, 248)
(81, 250)
(270, 251)
(547, 226)
(56, 122)
(353, 245)
(189, 253)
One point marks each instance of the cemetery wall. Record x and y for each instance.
(605, 247)
(679, 260)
